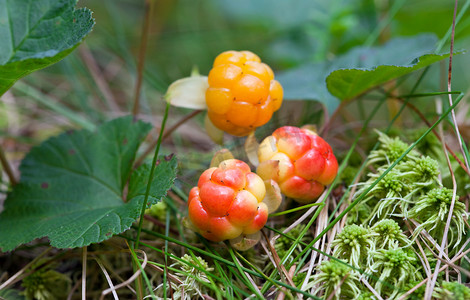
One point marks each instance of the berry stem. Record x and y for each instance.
(152, 171)
(170, 130)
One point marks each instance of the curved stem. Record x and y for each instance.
(6, 166)
(170, 130)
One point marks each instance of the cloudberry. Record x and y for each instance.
(242, 93)
(300, 161)
(227, 202)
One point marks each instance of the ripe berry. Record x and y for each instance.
(227, 202)
(242, 93)
(300, 161)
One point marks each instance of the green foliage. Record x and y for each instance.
(71, 187)
(389, 235)
(352, 244)
(411, 190)
(359, 70)
(158, 210)
(394, 268)
(284, 243)
(349, 83)
(432, 210)
(452, 291)
(191, 278)
(418, 294)
(337, 277)
(390, 149)
(413, 176)
(36, 34)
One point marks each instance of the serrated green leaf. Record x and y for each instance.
(308, 81)
(37, 33)
(349, 83)
(71, 187)
(139, 179)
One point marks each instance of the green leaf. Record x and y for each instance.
(359, 70)
(349, 83)
(37, 33)
(71, 187)
(138, 183)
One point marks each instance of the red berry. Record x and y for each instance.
(300, 161)
(227, 202)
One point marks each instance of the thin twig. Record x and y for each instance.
(449, 85)
(277, 260)
(334, 291)
(167, 133)
(420, 114)
(108, 279)
(98, 77)
(84, 259)
(160, 224)
(129, 281)
(7, 168)
(426, 266)
(15, 278)
(428, 293)
(149, 4)
(376, 294)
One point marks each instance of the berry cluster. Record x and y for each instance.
(230, 202)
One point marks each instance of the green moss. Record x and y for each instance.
(46, 284)
(339, 278)
(353, 244)
(452, 291)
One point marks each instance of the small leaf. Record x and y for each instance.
(349, 83)
(71, 187)
(307, 82)
(36, 34)
(189, 92)
(161, 182)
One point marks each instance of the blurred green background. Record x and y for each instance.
(286, 34)
(299, 39)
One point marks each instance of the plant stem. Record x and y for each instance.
(449, 86)
(152, 171)
(170, 130)
(149, 5)
(84, 259)
(6, 166)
